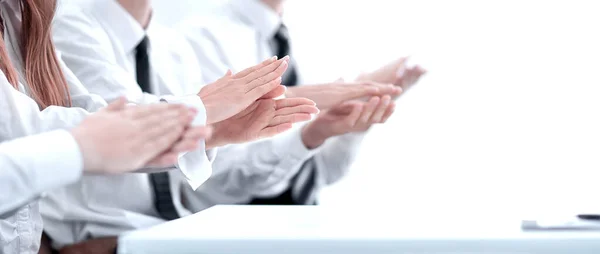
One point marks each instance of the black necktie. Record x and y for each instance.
(142, 65)
(300, 192)
(163, 200)
(281, 46)
(302, 185)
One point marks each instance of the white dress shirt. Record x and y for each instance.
(97, 40)
(20, 116)
(97, 46)
(237, 36)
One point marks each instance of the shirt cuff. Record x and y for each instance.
(193, 101)
(54, 156)
(196, 166)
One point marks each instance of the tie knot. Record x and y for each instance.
(143, 45)
(282, 33)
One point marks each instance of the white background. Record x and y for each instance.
(508, 117)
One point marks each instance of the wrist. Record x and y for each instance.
(208, 107)
(313, 137)
(90, 165)
(211, 143)
(215, 139)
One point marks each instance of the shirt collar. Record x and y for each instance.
(127, 30)
(264, 19)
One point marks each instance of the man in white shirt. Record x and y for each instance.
(114, 50)
(241, 33)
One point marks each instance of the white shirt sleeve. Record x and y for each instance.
(32, 165)
(86, 49)
(262, 167)
(336, 157)
(265, 168)
(20, 115)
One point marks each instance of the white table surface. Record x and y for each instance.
(314, 229)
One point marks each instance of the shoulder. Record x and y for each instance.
(220, 26)
(165, 37)
(167, 43)
(74, 14)
(73, 7)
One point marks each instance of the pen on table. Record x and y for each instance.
(594, 217)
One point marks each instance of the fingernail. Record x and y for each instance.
(287, 58)
(273, 58)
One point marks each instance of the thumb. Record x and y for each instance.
(117, 105)
(227, 75)
(347, 107)
(354, 114)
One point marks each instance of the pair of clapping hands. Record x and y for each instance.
(239, 108)
(122, 138)
(356, 106)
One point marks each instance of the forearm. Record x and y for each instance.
(35, 164)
